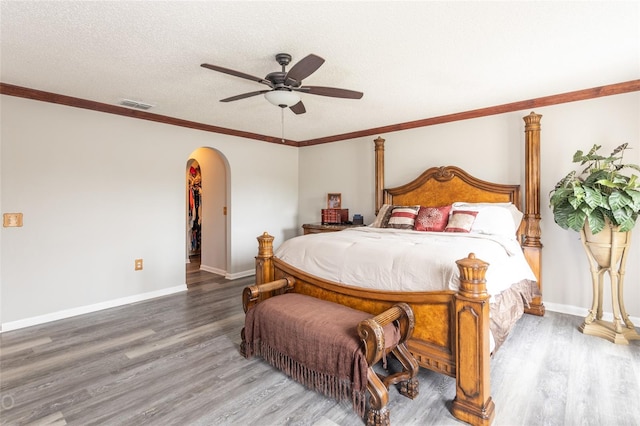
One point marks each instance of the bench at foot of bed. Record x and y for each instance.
(329, 347)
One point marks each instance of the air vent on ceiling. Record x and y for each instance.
(135, 104)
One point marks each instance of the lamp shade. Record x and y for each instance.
(282, 98)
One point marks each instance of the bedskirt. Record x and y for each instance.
(507, 308)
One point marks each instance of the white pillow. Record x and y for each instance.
(493, 218)
(379, 222)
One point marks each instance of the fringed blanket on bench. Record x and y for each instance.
(315, 342)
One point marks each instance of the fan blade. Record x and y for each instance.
(244, 95)
(303, 69)
(298, 108)
(237, 74)
(333, 92)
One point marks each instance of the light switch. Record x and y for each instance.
(12, 220)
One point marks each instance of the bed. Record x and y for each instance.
(452, 325)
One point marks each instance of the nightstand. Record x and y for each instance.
(316, 228)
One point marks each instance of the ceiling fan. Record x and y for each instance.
(283, 84)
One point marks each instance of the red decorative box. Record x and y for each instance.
(333, 216)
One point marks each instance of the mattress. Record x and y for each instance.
(405, 260)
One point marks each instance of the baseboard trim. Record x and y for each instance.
(582, 312)
(234, 276)
(242, 274)
(67, 313)
(213, 270)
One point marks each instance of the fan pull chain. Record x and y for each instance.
(282, 122)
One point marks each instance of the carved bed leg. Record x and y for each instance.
(473, 403)
(377, 412)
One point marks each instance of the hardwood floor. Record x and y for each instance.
(174, 361)
(195, 276)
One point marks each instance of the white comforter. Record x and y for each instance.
(404, 260)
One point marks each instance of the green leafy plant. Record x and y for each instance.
(597, 193)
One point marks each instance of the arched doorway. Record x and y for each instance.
(206, 203)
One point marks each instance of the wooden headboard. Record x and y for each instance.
(440, 186)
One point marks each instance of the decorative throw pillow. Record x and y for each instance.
(403, 217)
(461, 221)
(432, 218)
(382, 218)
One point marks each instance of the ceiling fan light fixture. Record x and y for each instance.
(283, 98)
(284, 85)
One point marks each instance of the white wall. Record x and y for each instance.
(491, 148)
(608, 122)
(346, 167)
(98, 191)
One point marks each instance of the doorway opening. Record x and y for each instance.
(206, 213)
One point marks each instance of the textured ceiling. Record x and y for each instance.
(412, 60)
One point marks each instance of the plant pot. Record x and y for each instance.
(606, 243)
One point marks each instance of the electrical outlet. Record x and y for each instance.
(138, 264)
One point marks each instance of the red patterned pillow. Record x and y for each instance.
(461, 221)
(432, 218)
(403, 217)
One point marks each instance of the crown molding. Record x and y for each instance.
(578, 95)
(39, 95)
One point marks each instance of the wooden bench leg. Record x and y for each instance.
(377, 412)
(409, 385)
(243, 344)
(378, 417)
(409, 388)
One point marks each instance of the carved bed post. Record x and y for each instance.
(473, 403)
(379, 149)
(264, 259)
(531, 245)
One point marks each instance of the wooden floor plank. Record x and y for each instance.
(19, 347)
(27, 370)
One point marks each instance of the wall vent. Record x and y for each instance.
(135, 104)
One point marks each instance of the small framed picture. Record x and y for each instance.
(334, 201)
